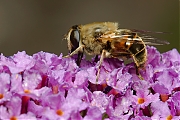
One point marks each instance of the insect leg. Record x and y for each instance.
(100, 63)
(137, 68)
(137, 73)
(79, 49)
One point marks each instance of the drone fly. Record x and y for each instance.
(108, 40)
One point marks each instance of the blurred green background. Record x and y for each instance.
(39, 25)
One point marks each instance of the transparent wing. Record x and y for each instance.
(148, 39)
(127, 34)
(153, 41)
(146, 31)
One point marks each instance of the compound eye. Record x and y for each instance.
(74, 38)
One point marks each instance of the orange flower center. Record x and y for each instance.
(169, 117)
(141, 100)
(59, 112)
(13, 118)
(1, 96)
(164, 97)
(26, 91)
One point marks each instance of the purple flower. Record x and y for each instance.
(154, 56)
(17, 63)
(144, 98)
(23, 61)
(5, 94)
(93, 113)
(119, 108)
(160, 110)
(171, 56)
(100, 100)
(169, 79)
(81, 78)
(47, 86)
(174, 103)
(12, 110)
(119, 80)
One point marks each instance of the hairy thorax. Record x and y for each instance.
(93, 47)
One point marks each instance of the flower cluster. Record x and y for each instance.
(45, 86)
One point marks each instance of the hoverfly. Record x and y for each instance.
(108, 40)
